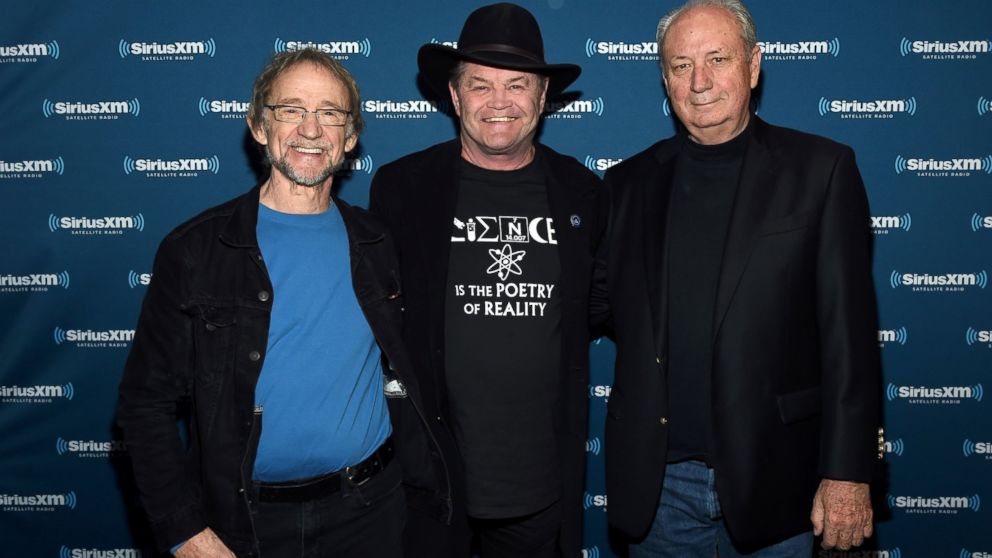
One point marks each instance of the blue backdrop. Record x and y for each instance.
(121, 119)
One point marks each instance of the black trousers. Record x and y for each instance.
(356, 522)
(530, 536)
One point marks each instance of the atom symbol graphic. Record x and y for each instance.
(505, 262)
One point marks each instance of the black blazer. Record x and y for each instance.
(796, 383)
(417, 195)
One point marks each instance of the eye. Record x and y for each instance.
(292, 111)
(719, 59)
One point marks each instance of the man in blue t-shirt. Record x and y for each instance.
(279, 308)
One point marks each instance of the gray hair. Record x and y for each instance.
(283, 61)
(749, 34)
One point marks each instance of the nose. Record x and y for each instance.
(701, 79)
(310, 128)
(499, 99)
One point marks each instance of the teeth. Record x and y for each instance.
(311, 150)
(499, 119)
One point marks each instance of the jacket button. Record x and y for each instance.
(254, 356)
(211, 327)
(263, 296)
(657, 359)
(663, 421)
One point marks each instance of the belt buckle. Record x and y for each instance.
(351, 472)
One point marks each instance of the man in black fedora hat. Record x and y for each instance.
(496, 235)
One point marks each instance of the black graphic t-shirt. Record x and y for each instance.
(502, 340)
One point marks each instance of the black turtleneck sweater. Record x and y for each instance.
(706, 178)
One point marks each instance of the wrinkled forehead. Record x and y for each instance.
(473, 71)
(703, 28)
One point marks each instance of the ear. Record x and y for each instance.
(257, 132)
(350, 142)
(755, 66)
(454, 100)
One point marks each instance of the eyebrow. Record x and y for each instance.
(296, 101)
(489, 82)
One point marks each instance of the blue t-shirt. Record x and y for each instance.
(321, 386)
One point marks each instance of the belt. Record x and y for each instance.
(325, 485)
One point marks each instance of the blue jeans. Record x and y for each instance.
(689, 523)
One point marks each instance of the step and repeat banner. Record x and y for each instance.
(120, 120)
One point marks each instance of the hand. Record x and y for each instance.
(205, 544)
(842, 513)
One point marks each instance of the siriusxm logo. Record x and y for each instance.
(984, 106)
(939, 504)
(594, 446)
(592, 552)
(894, 447)
(974, 336)
(600, 391)
(948, 282)
(934, 395)
(801, 50)
(31, 169)
(965, 553)
(886, 336)
(600, 164)
(944, 167)
(89, 448)
(100, 110)
(179, 50)
(38, 502)
(621, 51)
(175, 168)
(879, 108)
(33, 282)
(969, 448)
(388, 108)
(594, 501)
(29, 52)
(66, 552)
(894, 553)
(979, 222)
(134, 279)
(341, 50)
(363, 164)
(452, 44)
(941, 50)
(36, 394)
(93, 339)
(223, 108)
(111, 226)
(882, 224)
(574, 109)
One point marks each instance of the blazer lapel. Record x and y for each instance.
(437, 201)
(750, 206)
(655, 204)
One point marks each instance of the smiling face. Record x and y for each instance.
(709, 73)
(499, 112)
(306, 153)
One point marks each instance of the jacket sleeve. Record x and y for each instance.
(157, 378)
(847, 324)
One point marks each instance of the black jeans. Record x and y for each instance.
(356, 522)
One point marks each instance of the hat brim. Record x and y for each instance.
(437, 61)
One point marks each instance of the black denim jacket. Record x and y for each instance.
(200, 344)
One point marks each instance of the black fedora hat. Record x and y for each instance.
(500, 35)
